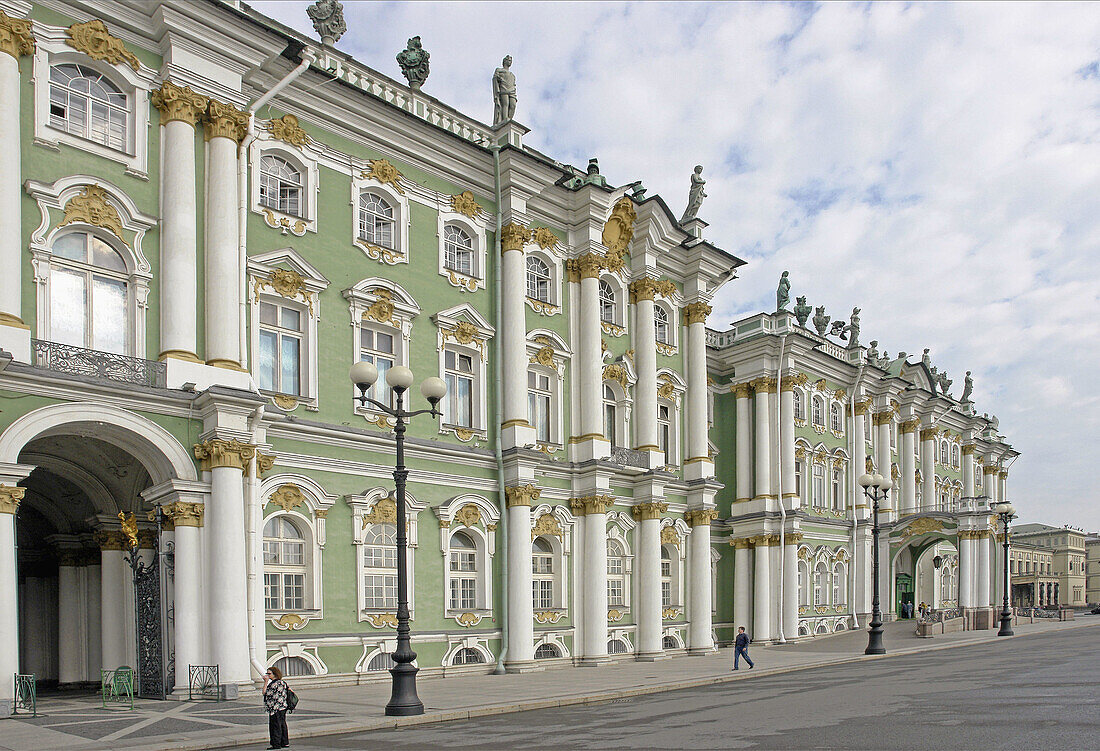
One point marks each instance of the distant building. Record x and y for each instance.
(1067, 546)
(1092, 569)
(1034, 584)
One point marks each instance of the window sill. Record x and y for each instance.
(465, 282)
(462, 433)
(285, 223)
(290, 402)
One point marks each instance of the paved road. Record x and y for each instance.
(1035, 692)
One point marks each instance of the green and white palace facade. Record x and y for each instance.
(206, 217)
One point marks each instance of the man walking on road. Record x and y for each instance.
(741, 648)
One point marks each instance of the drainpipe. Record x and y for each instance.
(242, 200)
(779, 477)
(856, 464)
(253, 513)
(498, 406)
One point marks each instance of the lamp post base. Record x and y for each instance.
(1006, 625)
(874, 640)
(403, 699)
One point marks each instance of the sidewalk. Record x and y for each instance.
(79, 724)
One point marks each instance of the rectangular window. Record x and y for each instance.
(380, 591)
(542, 593)
(614, 591)
(279, 365)
(664, 432)
(538, 404)
(284, 591)
(459, 402)
(463, 593)
(463, 561)
(378, 347)
(666, 594)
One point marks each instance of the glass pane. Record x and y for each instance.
(265, 366)
(385, 343)
(465, 402)
(292, 319)
(109, 311)
(73, 246)
(106, 257)
(291, 378)
(68, 307)
(268, 314)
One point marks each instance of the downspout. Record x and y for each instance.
(498, 406)
(242, 202)
(252, 549)
(779, 478)
(856, 463)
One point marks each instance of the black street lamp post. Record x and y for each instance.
(877, 488)
(1005, 510)
(403, 698)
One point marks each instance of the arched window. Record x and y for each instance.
(380, 567)
(87, 104)
(376, 223)
(607, 302)
(377, 345)
(804, 584)
(616, 574)
(458, 250)
(88, 294)
(284, 565)
(835, 421)
(463, 573)
(799, 405)
(292, 666)
(666, 577)
(546, 652)
(381, 661)
(538, 279)
(821, 584)
(669, 642)
(955, 457)
(468, 656)
(840, 584)
(281, 186)
(660, 322)
(542, 572)
(610, 414)
(819, 411)
(943, 454)
(617, 647)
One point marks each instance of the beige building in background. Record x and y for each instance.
(1092, 569)
(1033, 579)
(1067, 546)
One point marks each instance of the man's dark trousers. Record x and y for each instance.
(739, 652)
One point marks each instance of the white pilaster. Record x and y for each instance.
(908, 466)
(644, 413)
(94, 650)
(72, 615)
(595, 595)
(762, 590)
(786, 434)
(742, 584)
(968, 470)
(984, 581)
(698, 463)
(10, 497)
(517, 430)
(763, 434)
(113, 610)
(700, 604)
(790, 586)
(742, 396)
(521, 629)
(591, 443)
(648, 556)
(187, 518)
(227, 594)
(966, 570)
(928, 468)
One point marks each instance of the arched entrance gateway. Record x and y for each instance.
(924, 563)
(67, 607)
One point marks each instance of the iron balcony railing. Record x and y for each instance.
(65, 358)
(629, 457)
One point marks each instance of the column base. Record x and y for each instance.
(6, 707)
(698, 468)
(701, 651)
(522, 666)
(650, 656)
(592, 662)
(203, 375)
(15, 339)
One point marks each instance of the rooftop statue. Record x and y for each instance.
(849, 331)
(968, 388)
(926, 360)
(696, 196)
(821, 321)
(414, 63)
(328, 20)
(782, 292)
(872, 352)
(504, 92)
(802, 311)
(945, 382)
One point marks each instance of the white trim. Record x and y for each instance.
(306, 164)
(483, 534)
(362, 505)
(554, 264)
(402, 220)
(478, 235)
(313, 597)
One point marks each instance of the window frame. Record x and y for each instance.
(305, 353)
(288, 190)
(305, 160)
(402, 221)
(363, 508)
(461, 330)
(475, 280)
(310, 567)
(366, 299)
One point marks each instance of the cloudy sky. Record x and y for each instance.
(936, 164)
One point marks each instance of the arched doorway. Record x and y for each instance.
(921, 546)
(79, 465)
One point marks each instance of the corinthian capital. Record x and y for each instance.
(224, 121)
(15, 36)
(179, 103)
(696, 312)
(217, 453)
(10, 496)
(513, 237)
(521, 495)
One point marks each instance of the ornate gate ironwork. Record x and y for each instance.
(148, 617)
(26, 694)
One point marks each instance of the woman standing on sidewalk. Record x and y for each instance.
(275, 691)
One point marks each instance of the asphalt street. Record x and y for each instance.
(1033, 692)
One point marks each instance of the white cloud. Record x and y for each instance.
(935, 163)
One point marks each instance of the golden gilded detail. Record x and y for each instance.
(378, 253)
(129, 528)
(286, 128)
(667, 388)
(218, 452)
(384, 512)
(548, 616)
(700, 517)
(466, 620)
(382, 620)
(615, 615)
(289, 622)
(468, 515)
(287, 497)
(521, 495)
(10, 495)
(264, 462)
(882, 418)
(618, 232)
(861, 407)
(591, 504)
(382, 171)
(922, 526)
(93, 39)
(696, 312)
(615, 372)
(467, 283)
(285, 402)
(542, 308)
(648, 511)
(295, 226)
(381, 421)
(741, 390)
(611, 329)
(667, 614)
(382, 308)
(465, 332)
(909, 426)
(545, 357)
(465, 204)
(544, 237)
(763, 385)
(185, 514)
(15, 36)
(178, 103)
(90, 206)
(928, 434)
(513, 237)
(665, 349)
(669, 536)
(969, 449)
(587, 266)
(547, 524)
(287, 283)
(224, 121)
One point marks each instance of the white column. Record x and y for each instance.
(180, 109)
(742, 395)
(762, 590)
(863, 575)
(790, 586)
(742, 584)
(225, 571)
(10, 496)
(225, 127)
(983, 582)
(648, 555)
(521, 616)
(883, 461)
(698, 463)
(968, 470)
(516, 427)
(700, 604)
(786, 434)
(589, 354)
(908, 465)
(187, 519)
(928, 467)
(595, 563)
(94, 651)
(966, 566)
(644, 413)
(764, 388)
(71, 619)
(113, 610)
(15, 41)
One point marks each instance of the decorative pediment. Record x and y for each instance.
(288, 274)
(463, 325)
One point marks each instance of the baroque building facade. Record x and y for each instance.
(205, 218)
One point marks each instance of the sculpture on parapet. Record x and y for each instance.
(821, 321)
(848, 331)
(968, 388)
(783, 292)
(328, 20)
(802, 311)
(504, 92)
(414, 63)
(695, 195)
(945, 382)
(872, 352)
(926, 360)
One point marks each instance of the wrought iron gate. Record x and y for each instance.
(148, 612)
